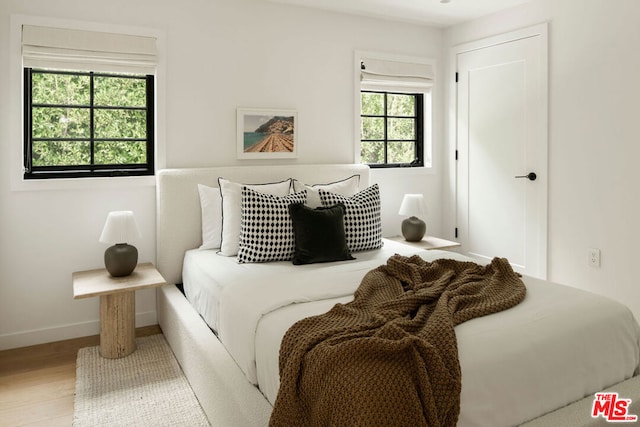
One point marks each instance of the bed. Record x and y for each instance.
(558, 346)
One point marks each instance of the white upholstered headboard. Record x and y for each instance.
(178, 203)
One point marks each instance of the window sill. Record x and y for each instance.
(394, 166)
(20, 184)
(412, 171)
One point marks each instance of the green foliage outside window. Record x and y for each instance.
(68, 120)
(389, 120)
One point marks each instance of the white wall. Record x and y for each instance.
(220, 55)
(594, 200)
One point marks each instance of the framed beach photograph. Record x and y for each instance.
(267, 134)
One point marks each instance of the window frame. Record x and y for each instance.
(92, 170)
(419, 128)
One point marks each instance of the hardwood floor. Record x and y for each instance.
(37, 383)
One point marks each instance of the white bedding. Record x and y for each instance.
(559, 345)
(206, 275)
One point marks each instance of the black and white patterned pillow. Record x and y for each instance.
(362, 224)
(266, 230)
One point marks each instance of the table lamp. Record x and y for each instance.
(120, 259)
(413, 206)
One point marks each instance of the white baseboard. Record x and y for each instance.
(65, 332)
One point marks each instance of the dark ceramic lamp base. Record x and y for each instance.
(413, 229)
(121, 259)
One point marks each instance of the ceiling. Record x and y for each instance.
(431, 12)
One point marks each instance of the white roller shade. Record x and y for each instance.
(58, 48)
(376, 72)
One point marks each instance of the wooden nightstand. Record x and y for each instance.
(117, 304)
(427, 242)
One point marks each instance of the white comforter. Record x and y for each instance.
(559, 345)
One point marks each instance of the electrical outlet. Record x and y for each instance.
(594, 257)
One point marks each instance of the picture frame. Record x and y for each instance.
(267, 134)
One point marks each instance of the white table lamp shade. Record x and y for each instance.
(121, 227)
(413, 205)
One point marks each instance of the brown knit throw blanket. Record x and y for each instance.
(390, 357)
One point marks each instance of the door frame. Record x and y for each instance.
(540, 30)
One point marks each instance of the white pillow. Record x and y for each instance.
(346, 187)
(211, 209)
(231, 202)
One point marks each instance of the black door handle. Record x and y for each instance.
(531, 176)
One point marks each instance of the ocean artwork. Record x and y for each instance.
(268, 134)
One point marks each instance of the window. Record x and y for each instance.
(394, 109)
(80, 124)
(392, 128)
(88, 101)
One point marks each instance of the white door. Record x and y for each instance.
(502, 149)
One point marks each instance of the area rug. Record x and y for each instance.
(146, 388)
